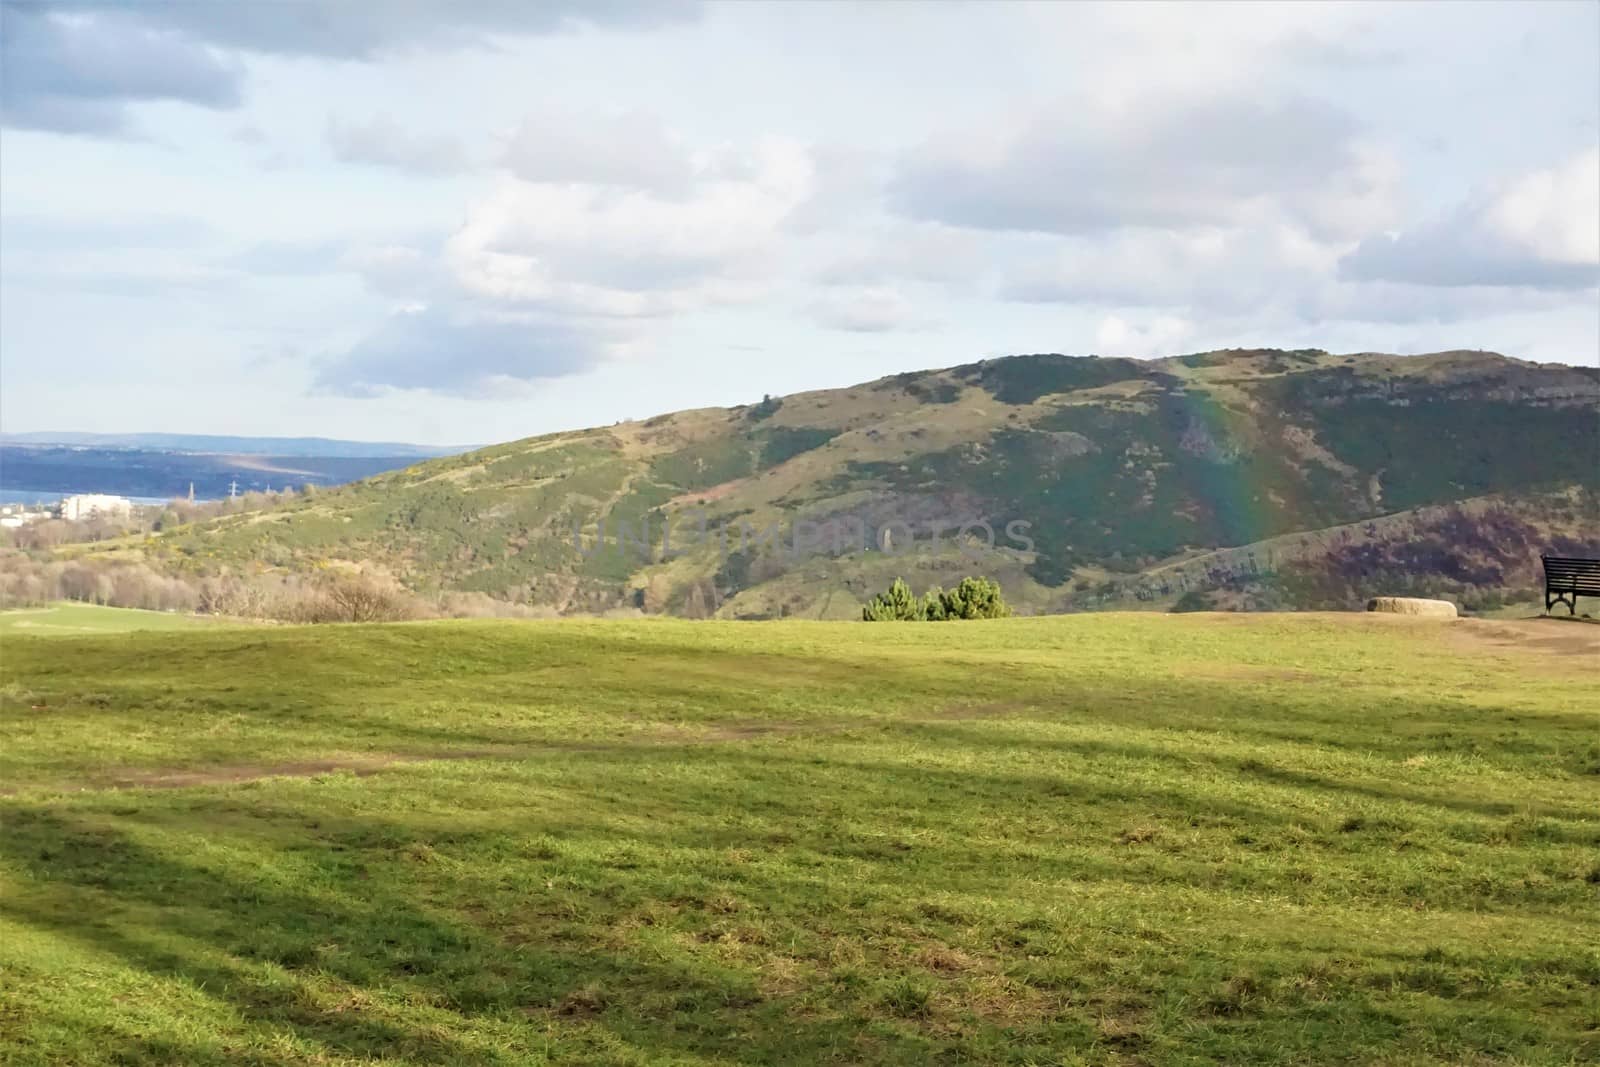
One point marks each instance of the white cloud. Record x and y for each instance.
(382, 142)
(338, 29)
(1343, 300)
(401, 271)
(548, 278)
(910, 251)
(73, 66)
(1540, 230)
(1279, 278)
(628, 151)
(1554, 214)
(464, 352)
(1211, 270)
(1162, 336)
(867, 310)
(1092, 165)
(76, 75)
(633, 252)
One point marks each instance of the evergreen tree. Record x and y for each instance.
(897, 605)
(974, 598)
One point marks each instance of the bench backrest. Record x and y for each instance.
(1571, 574)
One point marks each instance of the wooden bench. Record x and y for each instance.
(1568, 578)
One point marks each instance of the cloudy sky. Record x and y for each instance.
(457, 221)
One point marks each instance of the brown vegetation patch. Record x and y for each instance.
(360, 765)
(1002, 1000)
(1121, 1031)
(960, 712)
(706, 496)
(1551, 636)
(941, 959)
(1248, 672)
(589, 1000)
(740, 731)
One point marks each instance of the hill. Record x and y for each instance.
(1108, 840)
(1103, 481)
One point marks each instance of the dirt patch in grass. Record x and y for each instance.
(746, 731)
(960, 712)
(1248, 672)
(1548, 634)
(360, 765)
(1551, 636)
(706, 496)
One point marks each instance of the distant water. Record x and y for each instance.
(53, 496)
(140, 474)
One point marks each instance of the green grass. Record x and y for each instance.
(1085, 839)
(71, 617)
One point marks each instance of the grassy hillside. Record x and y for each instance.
(1116, 467)
(1482, 553)
(68, 617)
(1091, 839)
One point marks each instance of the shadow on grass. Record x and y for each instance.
(260, 948)
(461, 950)
(1244, 768)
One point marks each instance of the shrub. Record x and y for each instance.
(896, 605)
(456, 605)
(363, 599)
(228, 594)
(27, 581)
(1194, 600)
(349, 598)
(974, 598)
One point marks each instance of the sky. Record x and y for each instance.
(465, 221)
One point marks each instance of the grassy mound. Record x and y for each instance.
(71, 617)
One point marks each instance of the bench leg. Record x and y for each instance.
(1569, 599)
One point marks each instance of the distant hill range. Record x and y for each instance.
(1251, 479)
(156, 465)
(225, 445)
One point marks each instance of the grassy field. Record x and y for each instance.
(1090, 839)
(72, 617)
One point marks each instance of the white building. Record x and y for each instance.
(89, 505)
(13, 516)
